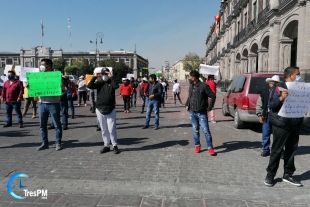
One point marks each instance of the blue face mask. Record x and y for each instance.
(298, 77)
(10, 77)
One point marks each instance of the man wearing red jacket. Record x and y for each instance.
(126, 92)
(144, 88)
(12, 94)
(212, 83)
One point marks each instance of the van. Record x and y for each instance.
(241, 96)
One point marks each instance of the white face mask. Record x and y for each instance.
(105, 78)
(42, 68)
(298, 77)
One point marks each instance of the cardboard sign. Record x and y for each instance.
(129, 75)
(297, 104)
(209, 70)
(44, 83)
(88, 78)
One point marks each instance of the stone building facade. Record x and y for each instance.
(261, 36)
(178, 71)
(32, 58)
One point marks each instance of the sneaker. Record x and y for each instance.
(43, 147)
(269, 181)
(213, 121)
(104, 150)
(125, 112)
(116, 150)
(265, 154)
(51, 127)
(98, 129)
(197, 149)
(21, 126)
(289, 179)
(156, 128)
(65, 128)
(78, 105)
(85, 104)
(128, 111)
(34, 116)
(58, 147)
(145, 127)
(211, 151)
(7, 125)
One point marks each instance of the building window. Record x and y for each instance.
(254, 10)
(27, 64)
(245, 19)
(2, 64)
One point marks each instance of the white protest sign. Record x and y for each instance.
(208, 69)
(3, 78)
(24, 70)
(129, 75)
(297, 104)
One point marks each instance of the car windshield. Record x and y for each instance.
(258, 84)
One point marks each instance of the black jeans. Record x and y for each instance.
(84, 95)
(174, 97)
(126, 100)
(281, 138)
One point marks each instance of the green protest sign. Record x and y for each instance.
(44, 83)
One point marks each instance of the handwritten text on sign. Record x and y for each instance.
(208, 69)
(297, 104)
(44, 84)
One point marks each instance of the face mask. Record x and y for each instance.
(10, 77)
(105, 78)
(42, 68)
(190, 81)
(298, 77)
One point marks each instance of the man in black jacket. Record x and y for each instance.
(285, 132)
(154, 100)
(197, 105)
(105, 108)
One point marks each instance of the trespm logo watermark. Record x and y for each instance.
(27, 193)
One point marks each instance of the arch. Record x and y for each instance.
(245, 53)
(238, 56)
(254, 48)
(289, 20)
(265, 43)
(291, 30)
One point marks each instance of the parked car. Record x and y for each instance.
(74, 79)
(241, 96)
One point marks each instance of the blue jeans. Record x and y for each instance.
(9, 109)
(71, 106)
(134, 97)
(152, 104)
(64, 111)
(144, 100)
(266, 132)
(54, 110)
(200, 119)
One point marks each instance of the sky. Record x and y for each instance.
(161, 29)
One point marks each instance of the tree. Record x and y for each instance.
(59, 64)
(70, 69)
(83, 66)
(192, 61)
(120, 70)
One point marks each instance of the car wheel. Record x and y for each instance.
(224, 110)
(238, 123)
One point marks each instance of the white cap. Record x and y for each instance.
(274, 78)
(144, 79)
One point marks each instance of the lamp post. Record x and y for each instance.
(98, 35)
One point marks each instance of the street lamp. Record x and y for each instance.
(98, 35)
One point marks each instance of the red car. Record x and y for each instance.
(241, 96)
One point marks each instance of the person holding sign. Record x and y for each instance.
(105, 107)
(49, 105)
(285, 132)
(12, 94)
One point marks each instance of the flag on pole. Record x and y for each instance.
(42, 27)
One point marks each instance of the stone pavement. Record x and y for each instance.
(155, 168)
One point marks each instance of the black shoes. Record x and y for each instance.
(156, 128)
(43, 147)
(21, 126)
(7, 125)
(116, 150)
(50, 127)
(289, 179)
(265, 154)
(269, 181)
(98, 129)
(72, 117)
(145, 127)
(58, 147)
(65, 128)
(104, 150)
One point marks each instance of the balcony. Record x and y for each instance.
(262, 15)
(251, 26)
(228, 46)
(238, 6)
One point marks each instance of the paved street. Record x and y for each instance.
(155, 168)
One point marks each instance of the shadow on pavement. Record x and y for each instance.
(178, 126)
(304, 176)
(131, 141)
(17, 133)
(236, 145)
(303, 150)
(159, 145)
